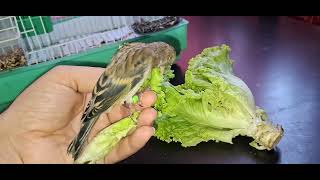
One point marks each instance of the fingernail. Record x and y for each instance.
(153, 130)
(140, 99)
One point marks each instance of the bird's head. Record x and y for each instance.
(164, 53)
(139, 55)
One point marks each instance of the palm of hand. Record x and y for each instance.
(46, 117)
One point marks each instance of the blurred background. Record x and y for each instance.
(247, 34)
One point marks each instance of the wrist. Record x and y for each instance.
(8, 153)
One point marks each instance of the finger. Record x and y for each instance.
(130, 144)
(147, 117)
(118, 113)
(146, 99)
(79, 78)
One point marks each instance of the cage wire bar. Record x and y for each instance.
(12, 48)
(74, 35)
(9, 34)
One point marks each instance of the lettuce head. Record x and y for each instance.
(212, 104)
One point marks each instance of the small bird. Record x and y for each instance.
(121, 80)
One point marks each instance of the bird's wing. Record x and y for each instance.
(108, 92)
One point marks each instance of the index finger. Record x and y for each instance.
(147, 99)
(79, 78)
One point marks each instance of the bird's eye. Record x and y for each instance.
(138, 63)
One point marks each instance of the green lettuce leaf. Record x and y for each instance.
(213, 104)
(107, 139)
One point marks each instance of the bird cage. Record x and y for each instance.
(48, 38)
(39, 43)
(11, 48)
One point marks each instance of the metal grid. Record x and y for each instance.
(9, 34)
(12, 51)
(76, 35)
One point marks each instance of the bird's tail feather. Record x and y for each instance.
(77, 144)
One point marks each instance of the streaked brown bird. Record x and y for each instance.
(128, 70)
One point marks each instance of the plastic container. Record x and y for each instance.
(12, 83)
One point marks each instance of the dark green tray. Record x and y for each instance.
(13, 82)
(37, 24)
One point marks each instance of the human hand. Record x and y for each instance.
(40, 124)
